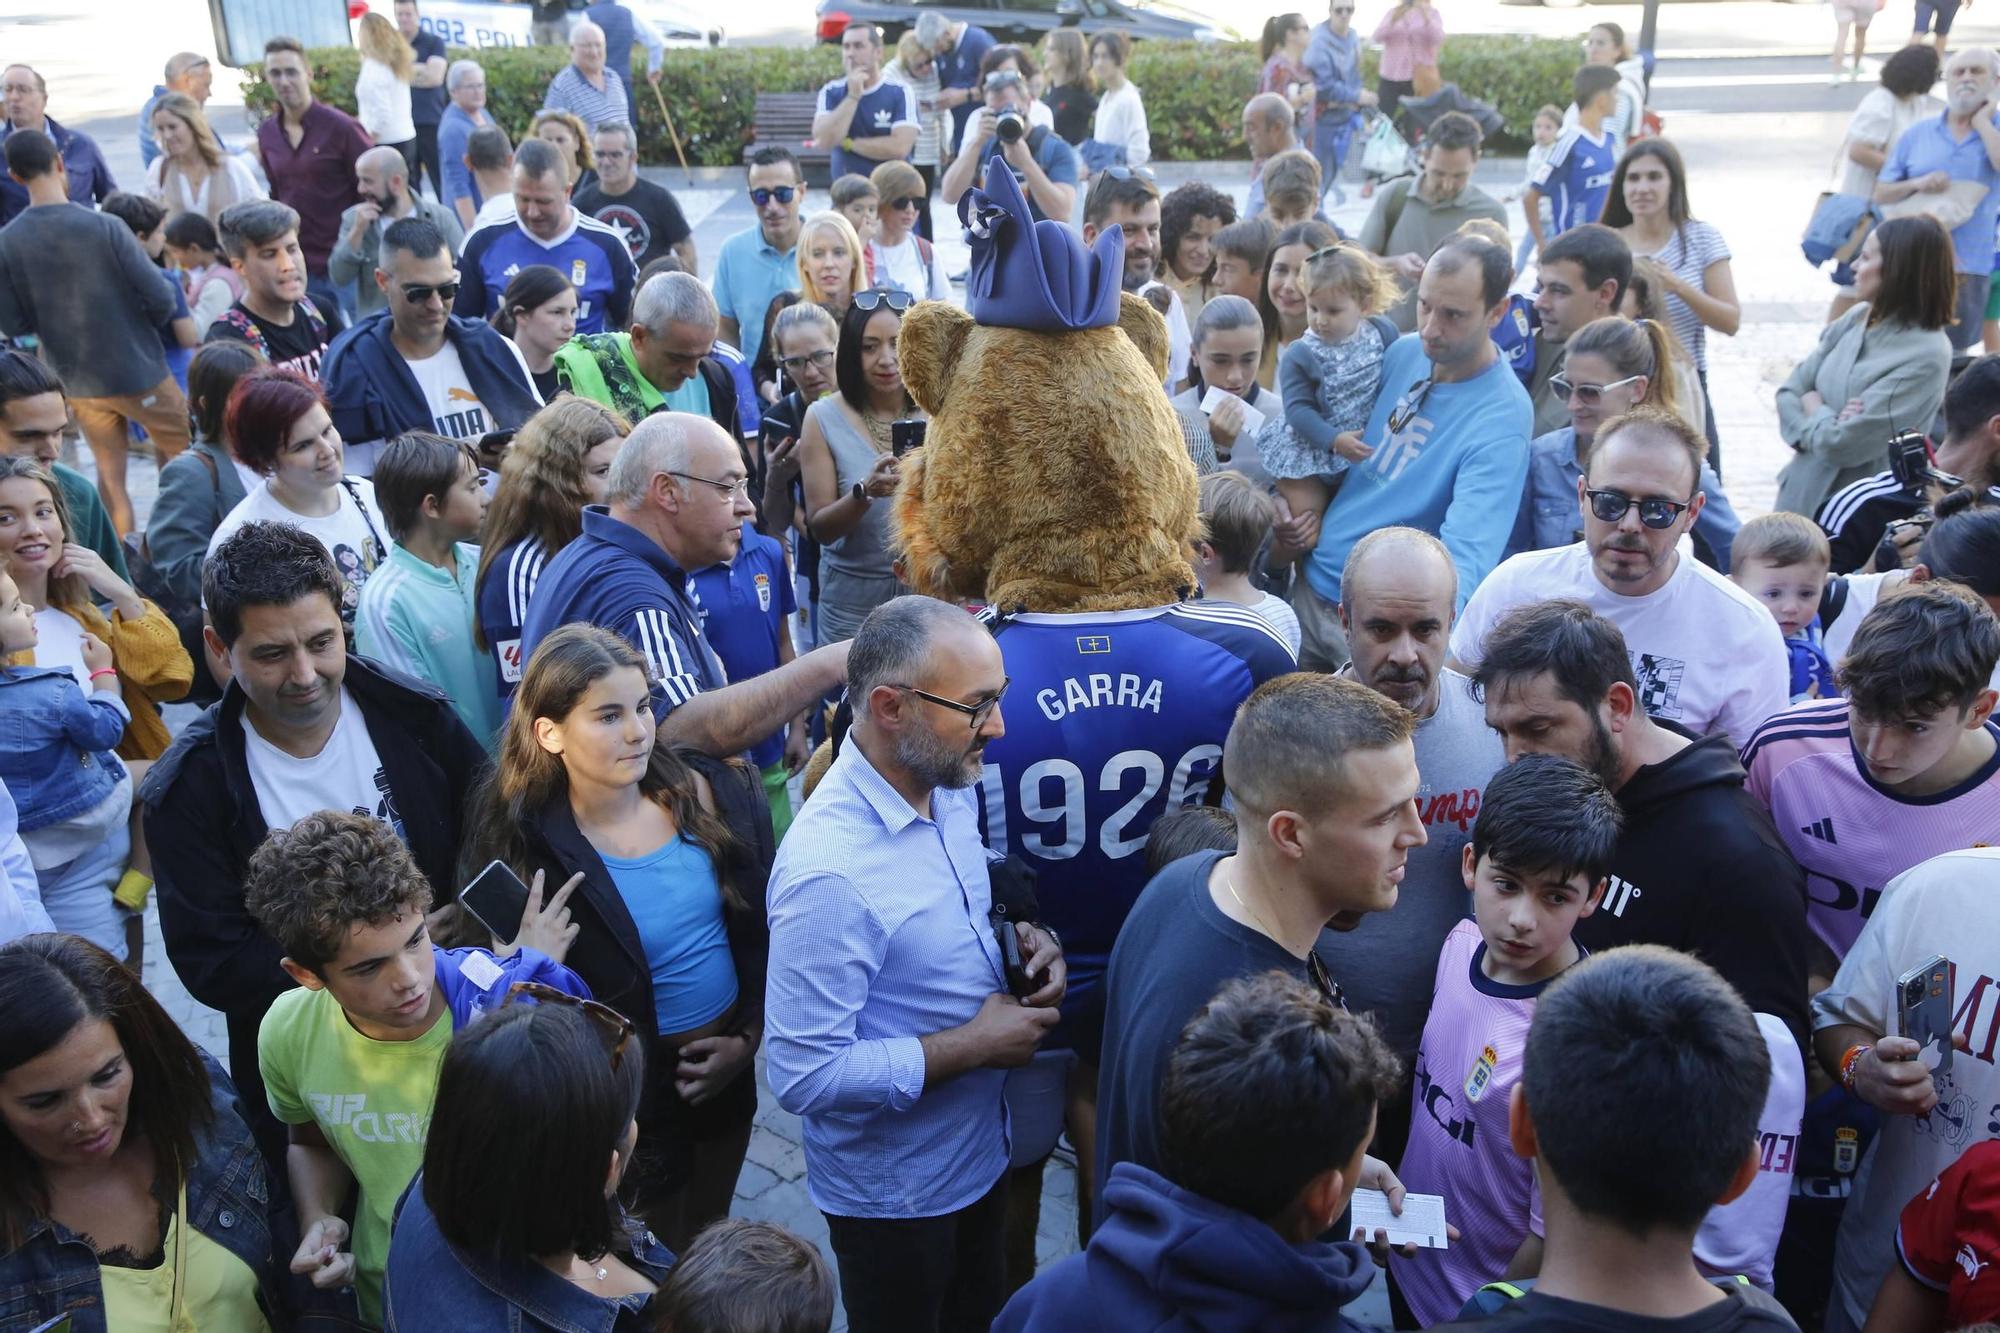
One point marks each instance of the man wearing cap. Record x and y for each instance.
(1040, 161)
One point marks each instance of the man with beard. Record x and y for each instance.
(1413, 216)
(1954, 150)
(1706, 655)
(1128, 198)
(386, 198)
(1699, 866)
(889, 1024)
(1397, 599)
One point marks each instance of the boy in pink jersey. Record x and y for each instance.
(1907, 767)
(1537, 862)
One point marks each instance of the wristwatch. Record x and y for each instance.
(860, 492)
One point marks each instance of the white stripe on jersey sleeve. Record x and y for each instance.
(1228, 613)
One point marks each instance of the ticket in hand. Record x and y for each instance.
(1421, 1221)
(1252, 418)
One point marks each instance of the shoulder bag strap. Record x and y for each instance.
(354, 493)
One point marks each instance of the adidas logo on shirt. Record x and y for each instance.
(1821, 829)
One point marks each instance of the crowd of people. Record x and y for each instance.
(1515, 822)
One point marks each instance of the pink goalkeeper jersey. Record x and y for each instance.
(1850, 834)
(1466, 1070)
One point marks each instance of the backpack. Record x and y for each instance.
(237, 318)
(187, 617)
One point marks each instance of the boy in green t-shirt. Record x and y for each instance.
(350, 1059)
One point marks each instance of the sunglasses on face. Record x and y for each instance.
(876, 297)
(1654, 512)
(417, 294)
(1587, 394)
(784, 194)
(910, 201)
(614, 1027)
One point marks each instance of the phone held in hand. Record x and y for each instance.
(1019, 984)
(1923, 1007)
(497, 900)
(906, 434)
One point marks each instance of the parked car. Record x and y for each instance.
(1024, 21)
(478, 23)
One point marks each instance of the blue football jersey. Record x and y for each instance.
(1112, 719)
(593, 256)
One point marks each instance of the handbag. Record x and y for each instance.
(1385, 153)
(1839, 224)
(1097, 155)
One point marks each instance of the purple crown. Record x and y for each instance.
(1035, 275)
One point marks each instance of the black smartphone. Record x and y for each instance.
(1923, 1007)
(905, 435)
(1019, 984)
(497, 900)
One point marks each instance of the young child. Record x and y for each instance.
(74, 794)
(1576, 176)
(1537, 862)
(430, 494)
(211, 285)
(1548, 127)
(1948, 1236)
(741, 1276)
(1238, 517)
(856, 199)
(1329, 376)
(350, 1058)
(1782, 560)
(1241, 250)
(180, 335)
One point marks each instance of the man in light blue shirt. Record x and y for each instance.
(1959, 146)
(755, 265)
(1449, 441)
(888, 1023)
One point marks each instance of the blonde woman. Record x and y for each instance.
(565, 130)
(831, 266)
(915, 67)
(382, 89)
(192, 174)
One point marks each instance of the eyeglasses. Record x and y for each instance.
(614, 1027)
(1413, 402)
(1654, 512)
(909, 201)
(1323, 980)
(1588, 394)
(418, 294)
(1343, 9)
(1326, 250)
(898, 301)
(792, 365)
(784, 194)
(978, 712)
(733, 489)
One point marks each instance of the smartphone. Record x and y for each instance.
(497, 900)
(1019, 984)
(1923, 1007)
(906, 435)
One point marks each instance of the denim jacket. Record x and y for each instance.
(56, 743)
(54, 1271)
(1551, 514)
(432, 1286)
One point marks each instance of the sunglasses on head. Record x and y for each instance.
(874, 297)
(1127, 173)
(907, 201)
(1587, 394)
(614, 1028)
(784, 194)
(1654, 512)
(419, 294)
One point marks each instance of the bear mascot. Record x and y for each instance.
(1054, 487)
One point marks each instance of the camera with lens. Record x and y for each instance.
(1910, 465)
(1009, 126)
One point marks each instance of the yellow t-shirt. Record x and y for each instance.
(219, 1290)
(372, 1101)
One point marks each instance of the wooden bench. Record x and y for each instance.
(784, 120)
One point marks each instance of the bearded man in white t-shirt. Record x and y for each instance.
(1706, 655)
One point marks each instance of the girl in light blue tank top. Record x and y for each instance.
(676, 902)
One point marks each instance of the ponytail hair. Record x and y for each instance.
(1634, 347)
(1275, 29)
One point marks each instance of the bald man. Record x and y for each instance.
(1397, 595)
(587, 86)
(383, 178)
(1269, 130)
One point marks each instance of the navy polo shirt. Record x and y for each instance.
(743, 606)
(882, 109)
(959, 68)
(617, 578)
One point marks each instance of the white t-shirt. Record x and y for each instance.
(1282, 618)
(1863, 592)
(456, 412)
(382, 103)
(1706, 655)
(1949, 905)
(356, 541)
(903, 268)
(497, 208)
(346, 774)
(1180, 342)
(61, 644)
(1741, 1236)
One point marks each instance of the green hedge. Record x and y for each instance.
(1194, 91)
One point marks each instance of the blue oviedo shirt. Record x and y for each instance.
(743, 606)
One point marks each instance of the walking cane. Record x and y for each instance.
(679, 152)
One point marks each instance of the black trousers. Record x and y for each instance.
(427, 161)
(924, 209)
(944, 1274)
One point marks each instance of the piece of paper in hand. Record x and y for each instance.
(1252, 418)
(1421, 1221)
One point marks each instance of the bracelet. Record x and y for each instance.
(1850, 1062)
(103, 671)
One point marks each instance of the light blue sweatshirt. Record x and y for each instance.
(418, 619)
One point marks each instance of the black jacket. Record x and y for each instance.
(607, 952)
(203, 822)
(1700, 868)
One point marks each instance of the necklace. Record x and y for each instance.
(881, 430)
(1229, 882)
(603, 1271)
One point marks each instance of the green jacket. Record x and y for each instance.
(93, 523)
(599, 366)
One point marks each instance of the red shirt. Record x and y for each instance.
(1949, 1238)
(317, 177)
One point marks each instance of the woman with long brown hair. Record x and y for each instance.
(556, 465)
(674, 848)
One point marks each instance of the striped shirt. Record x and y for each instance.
(570, 91)
(1687, 256)
(1848, 832)
(503, 606)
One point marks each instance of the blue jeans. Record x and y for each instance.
(78, 892)
(1332, 133)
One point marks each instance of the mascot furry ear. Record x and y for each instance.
(1054, 476)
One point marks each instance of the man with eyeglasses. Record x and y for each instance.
(1045, 166)
(386, 198)
(889, 1026)
(24, 96)
(647, 214)
(1334, 57)
(665, 362)
(758, 263)
(1706, 655)
(547, 229)
(674, 501)
(465, 84)
(416, 366)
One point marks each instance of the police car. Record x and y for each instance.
(482, 23)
